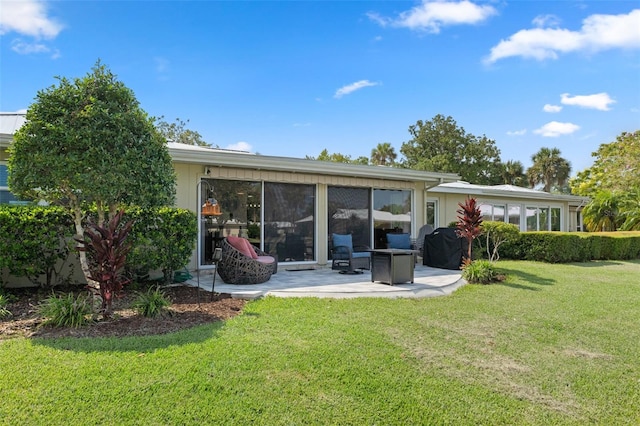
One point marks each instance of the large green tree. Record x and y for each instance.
(383, 155)
(87, 142)
(440, 145)
(177, 132)
(616, 167)
(549, 169)
(613, 183)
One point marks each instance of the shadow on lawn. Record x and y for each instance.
(139, 344)
(524, 276)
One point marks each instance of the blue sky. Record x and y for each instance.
(291, 78)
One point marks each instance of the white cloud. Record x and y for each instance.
(517, 132)
(551, 108)
(600, 101)
(240, 146)
(350, 88)
(542, 21)
(554, 129)
(431, 15)
(598, 32)
(29, 18)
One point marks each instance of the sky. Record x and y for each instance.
(292, 78)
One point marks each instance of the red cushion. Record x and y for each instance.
(240, 244)
(251, 249)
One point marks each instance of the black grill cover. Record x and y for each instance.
(444, 249)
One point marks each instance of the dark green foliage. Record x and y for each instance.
(479, 272)
(151, 303)
(163, 238)
(469, 222)
(560, 247)
(494, 234)
(107, 249)
(4, 301)
(440, 145)
(67, 310)
(34, 243)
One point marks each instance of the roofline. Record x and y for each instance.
(221, 158)
(540, 195)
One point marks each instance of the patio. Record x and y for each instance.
(319, 281)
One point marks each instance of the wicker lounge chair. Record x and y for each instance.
(241, 267)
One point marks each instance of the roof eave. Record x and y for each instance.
(298, 165)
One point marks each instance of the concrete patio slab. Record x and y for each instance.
(324, 282)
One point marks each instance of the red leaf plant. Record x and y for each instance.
(469, 223)
(107, 250)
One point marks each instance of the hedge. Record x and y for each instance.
(35, 241)
(564, 247)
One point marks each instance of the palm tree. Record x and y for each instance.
(548, 169)
(513, 173)
(383, 155)
(603, 212)
(630, 210)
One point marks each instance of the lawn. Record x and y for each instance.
(553, 344)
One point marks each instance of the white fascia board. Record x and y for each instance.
(219, 158)
(538, 195)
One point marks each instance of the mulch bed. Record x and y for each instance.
(189, 307)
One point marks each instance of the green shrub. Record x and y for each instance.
(564, 247)
(4, 301)
(35, 243)
(479, 272)
(67, 310)
(494, 234)
(151, 303)
(162, 238)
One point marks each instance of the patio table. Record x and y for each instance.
(392, 266)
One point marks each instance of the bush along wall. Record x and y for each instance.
(36, 243)
(560, 247)
(163, 238)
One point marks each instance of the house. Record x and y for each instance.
(529, 209)
(290, 207)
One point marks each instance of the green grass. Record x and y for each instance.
(553, 344)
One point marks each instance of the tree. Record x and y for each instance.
(383, 155)
(617, 167)
(603, 212)
(548, 169)
(513, 173)
(338, 158)
(87, 142)
(176, 132)
(469, 225)
(440, 145)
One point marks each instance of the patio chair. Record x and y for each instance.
(424, 231)
(242, 263)
(401, 241)
(345, 258)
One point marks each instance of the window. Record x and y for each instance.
(6, 197)
(492, 212)
(514, 214)
(391, 213)
(289, 221)
(432, 214)
(555, 218)
(349, 212)
(543, 218)
(229, 207)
